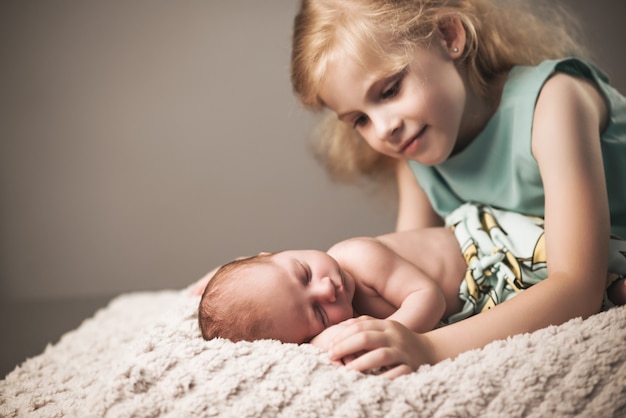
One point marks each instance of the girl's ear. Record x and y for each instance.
(452, 35)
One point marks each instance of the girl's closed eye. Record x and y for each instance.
(359, 121)
(393, 89)
(393, 85)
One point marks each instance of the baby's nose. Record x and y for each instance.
(324, 290)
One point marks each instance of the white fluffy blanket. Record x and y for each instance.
(143, 356)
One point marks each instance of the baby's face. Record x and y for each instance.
(306, 292)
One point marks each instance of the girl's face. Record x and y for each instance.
(305, 291)
(414, 114)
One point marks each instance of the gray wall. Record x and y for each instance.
(144, 142)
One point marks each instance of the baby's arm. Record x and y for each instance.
(422, 303)
(389, 286)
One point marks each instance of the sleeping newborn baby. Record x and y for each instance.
(421, 278)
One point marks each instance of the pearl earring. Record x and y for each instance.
(455, 49)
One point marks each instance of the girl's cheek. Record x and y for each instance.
(376, 145)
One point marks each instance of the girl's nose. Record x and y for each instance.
(323, 290)
(386, 126)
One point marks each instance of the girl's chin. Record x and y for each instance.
(428, 159)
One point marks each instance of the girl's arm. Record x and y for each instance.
(414, 208)
(569, 116)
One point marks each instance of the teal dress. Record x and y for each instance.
(498, 168)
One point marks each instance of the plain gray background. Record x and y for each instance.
(144, 142)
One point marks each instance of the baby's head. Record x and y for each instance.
(226, 309)
(290, 296)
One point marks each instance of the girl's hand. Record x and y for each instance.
(324, 338)
(197, 288)
(381, 344)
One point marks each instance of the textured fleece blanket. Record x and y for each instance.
(143, 356)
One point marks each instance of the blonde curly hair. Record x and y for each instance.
(382, 34)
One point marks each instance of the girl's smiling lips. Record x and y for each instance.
(411, 141)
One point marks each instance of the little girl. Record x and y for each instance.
(470, 101)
